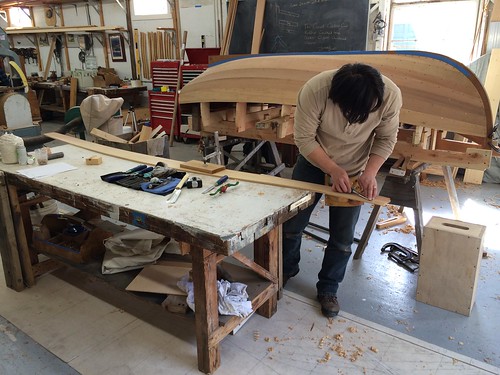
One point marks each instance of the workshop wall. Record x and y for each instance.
(201, 19)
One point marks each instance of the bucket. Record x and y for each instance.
(39, 210)
(136, 83)
(8, 147)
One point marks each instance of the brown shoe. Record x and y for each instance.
(329, 305)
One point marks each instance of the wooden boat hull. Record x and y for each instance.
(438, 92)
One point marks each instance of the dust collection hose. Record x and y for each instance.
(39, 140)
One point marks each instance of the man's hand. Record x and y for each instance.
(340, 180)
(368, 183)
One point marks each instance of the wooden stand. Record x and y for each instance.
(449, 264)
(403, 191)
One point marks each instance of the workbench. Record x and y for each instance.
(214, 227)
(55, 96)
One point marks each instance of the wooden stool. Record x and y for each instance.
(403, 191)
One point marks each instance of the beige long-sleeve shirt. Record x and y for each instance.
(319, 122)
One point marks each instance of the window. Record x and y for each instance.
(151, 8)
(19, 17)
(422, 26)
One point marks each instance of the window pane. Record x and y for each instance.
(19, 18)
(423, 27)
(150, 7)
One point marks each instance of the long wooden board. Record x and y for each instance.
(438, 92)
(237, 175)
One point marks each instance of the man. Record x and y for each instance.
(346, 124)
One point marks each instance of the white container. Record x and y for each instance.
(38, 211)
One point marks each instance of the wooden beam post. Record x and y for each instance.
(204, 263)
(49, 58)
(8, 246)
(257, 27)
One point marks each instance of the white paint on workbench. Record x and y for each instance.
(234, 216)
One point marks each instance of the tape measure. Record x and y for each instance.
(194, 183)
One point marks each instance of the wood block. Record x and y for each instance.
(396, 220)
(473, 176)
(93, 160)
(199, 166)
(145, 133)
(175, 304)
(449, 264)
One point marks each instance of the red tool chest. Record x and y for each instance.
(163, 105)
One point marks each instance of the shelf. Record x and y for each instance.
(61, 29)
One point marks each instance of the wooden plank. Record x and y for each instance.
(241, 117)
(107, 136)
(65, 39)
(60, 29)
(105, 38)
(452, 191)
(237, 175)
(8, 246)
(73, 92)
(199, 166)
(255, 267)
(257, 26)
(476, 159)
(49, 58)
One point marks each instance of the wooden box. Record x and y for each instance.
(70, 238)
(449, 264)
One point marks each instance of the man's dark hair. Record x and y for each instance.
(357, 89)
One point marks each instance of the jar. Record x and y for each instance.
(22, 156)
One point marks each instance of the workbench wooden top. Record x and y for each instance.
(224, 223)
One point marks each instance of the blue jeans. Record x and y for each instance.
(338, 249)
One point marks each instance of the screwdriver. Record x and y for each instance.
(220, 181)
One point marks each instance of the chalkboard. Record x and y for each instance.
(303, 26)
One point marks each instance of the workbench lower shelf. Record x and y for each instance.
(89, 278)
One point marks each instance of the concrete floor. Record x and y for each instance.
(377, 290)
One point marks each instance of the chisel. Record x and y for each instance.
(219, 182)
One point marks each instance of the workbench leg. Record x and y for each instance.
(204, 264)
(370, 225)
(267, 252)
(8, 246)
(417, 213)
(22, 244)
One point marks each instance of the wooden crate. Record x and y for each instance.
(449, 264)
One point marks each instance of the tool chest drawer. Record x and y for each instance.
(190, 72)
(165, 73)
(161, 109)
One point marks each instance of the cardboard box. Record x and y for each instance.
(70, 238)
(155, 146)
(449, 264)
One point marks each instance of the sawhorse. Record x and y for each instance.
(404, 191)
